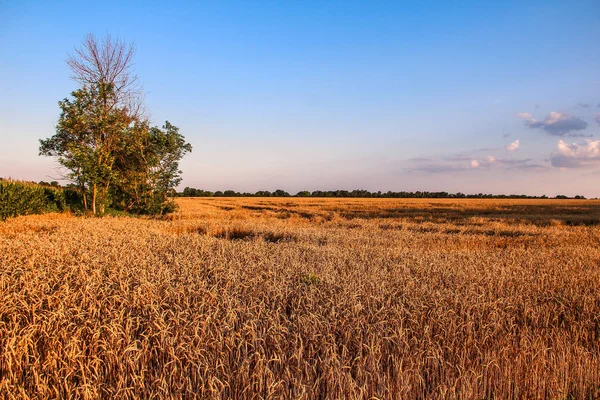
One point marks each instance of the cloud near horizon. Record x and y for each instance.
(492, 161)
(461, 163)
(555, 124)
(576, 155)
(437, 168)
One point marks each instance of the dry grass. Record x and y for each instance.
(305, 298)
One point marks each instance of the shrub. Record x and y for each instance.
(25, 198)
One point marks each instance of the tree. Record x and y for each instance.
(104, 141)
(86, 140)
(147, 167)
(92, 123)
(281, 193)
(166, 147)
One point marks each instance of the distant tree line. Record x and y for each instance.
(192, 192)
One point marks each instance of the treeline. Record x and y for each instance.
(192, 192)
(26, 198)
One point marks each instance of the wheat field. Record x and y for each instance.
(305, 299)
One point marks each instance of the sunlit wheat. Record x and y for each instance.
(305, 298)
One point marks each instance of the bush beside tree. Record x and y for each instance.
(25, 198)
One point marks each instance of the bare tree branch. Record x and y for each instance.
(109, 63)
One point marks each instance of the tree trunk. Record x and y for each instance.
(82, 188)
(94, 192)
(104, 198)
(85, 206)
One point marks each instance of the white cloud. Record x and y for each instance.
(513, 146)
(576, 155)
(587, 149)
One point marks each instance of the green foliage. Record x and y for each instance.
(24, 198)
(87, 134)
(191, 192)
(158, 168)
(154, 204)
(147, 169)
(73, 198)
(115, 159)
(169, 207)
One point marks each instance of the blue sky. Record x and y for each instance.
(333, 94)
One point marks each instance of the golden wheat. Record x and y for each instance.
(305, 298)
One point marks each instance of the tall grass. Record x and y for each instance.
(305, 299)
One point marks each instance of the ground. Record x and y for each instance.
(305, 298)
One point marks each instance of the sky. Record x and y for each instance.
(457, 96)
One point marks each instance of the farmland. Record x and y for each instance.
(305, 298)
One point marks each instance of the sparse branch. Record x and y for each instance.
(108, 65)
